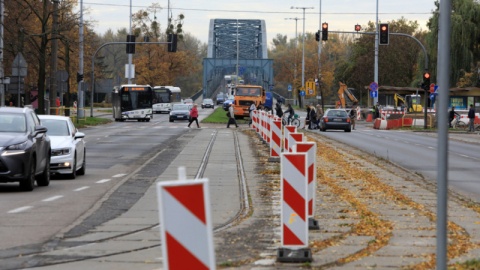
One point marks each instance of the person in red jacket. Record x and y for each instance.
(194, 115)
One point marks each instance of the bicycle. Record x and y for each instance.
(295, 121)
(457, 124)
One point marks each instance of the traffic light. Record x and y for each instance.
(172, 42)
(324, 31)
(317, 35)
(131, 46)
(358, 27)
(426, 80)
(384, 34)
(79, 77)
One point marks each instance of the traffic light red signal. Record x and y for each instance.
(324, 31)
(384, 34)
(358, 27)
(426, 80)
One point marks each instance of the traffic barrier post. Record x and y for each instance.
(286, 131)
(294, 138)
(311, 149)
(294, 209)
(276, 140)
(186, 227)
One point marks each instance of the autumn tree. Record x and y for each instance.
(464, 43)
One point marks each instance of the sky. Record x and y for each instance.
(341, 15)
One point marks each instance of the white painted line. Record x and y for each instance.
(102, 181)
(81, 188)
(463, 155)
(52, 198)
(20, 209)
(430, 147)
(119, 175)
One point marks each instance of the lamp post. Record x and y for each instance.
(303, 48)
(295, 64)
(375, 79)
(130, 55)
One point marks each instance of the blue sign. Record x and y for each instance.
(289, 88)
(373, 94)
(270, 87)
(302, 93)
(374, 86)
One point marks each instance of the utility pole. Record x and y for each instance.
(53, 60)
(81, 104)
(2, 73)
(375, 76)
(319, 53)
(296, 46)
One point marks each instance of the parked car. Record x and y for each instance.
(220, 98)
(68, 146)
(207, 103)
(180, 112)
(24, 148)
(335, 119)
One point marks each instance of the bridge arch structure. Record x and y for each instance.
(233, 43)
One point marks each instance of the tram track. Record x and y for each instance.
(63, 246)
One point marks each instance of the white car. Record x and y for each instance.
(67, 144)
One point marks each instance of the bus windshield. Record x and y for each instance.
(136, 98)
(162, 96)
(248, 92)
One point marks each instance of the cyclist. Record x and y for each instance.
(291, 113)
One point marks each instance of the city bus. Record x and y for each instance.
(163, 99)
(132, 102)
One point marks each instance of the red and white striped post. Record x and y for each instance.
(294, 209)
(293, 139)
(311, 149)
(268, 127)
(286, 131)
(185, 224)
(276, 140)
(254, 119)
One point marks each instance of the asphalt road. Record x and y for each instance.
(116, 154)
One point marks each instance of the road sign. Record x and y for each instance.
(432, 87)
(289, 88)
(373, 86)
(310, 85)
(373, 94)
(302, 93)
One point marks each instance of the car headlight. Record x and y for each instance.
(19, 146)
(60, 152)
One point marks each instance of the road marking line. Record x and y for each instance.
(102, 181)
(430, 147)
(52, 198)
(20, 209)
(462, 155)
(119, 175)
(81, 188)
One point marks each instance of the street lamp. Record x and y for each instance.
(320, 52)
(296, 41)
(303, 47)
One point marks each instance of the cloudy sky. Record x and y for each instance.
(341, 15)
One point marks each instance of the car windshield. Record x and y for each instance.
(337, 113)
(188, 100)
(56, 127)
(207, 101)
(181, 107)
(13, 122)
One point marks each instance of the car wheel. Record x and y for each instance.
(28, 183)
(171, 120)
(43, 180)
(82, 170)
(348, 130)
(73, 175)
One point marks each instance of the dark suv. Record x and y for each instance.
(24, 148)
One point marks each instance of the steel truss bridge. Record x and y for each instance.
(233, 43)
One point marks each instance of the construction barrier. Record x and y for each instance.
(186, 227)
(254, 120)
(268, 129)
(311, 149)
(369, 117)
(293, 139)
(294, 209)
(286, 131)
(276, 138)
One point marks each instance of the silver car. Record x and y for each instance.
(68, 146)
